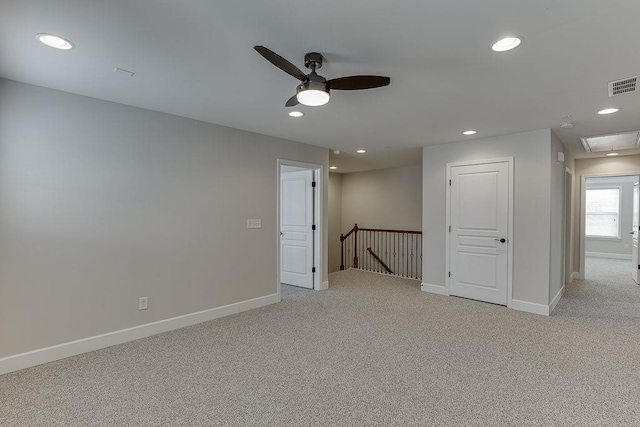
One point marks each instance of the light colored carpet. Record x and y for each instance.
(608, 292)
(288, 291)
(372, 350)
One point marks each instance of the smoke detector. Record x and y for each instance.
(622, 86)
(566, 122)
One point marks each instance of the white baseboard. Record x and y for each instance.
(530, 307)
(434, 289)
(575, 275)
(85, 345)
(608, 255)
(556, 300)
(324, 286)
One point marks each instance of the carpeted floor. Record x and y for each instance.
(288, 291)
(372, 350)
(608, 292)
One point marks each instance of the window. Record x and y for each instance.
(603, 212)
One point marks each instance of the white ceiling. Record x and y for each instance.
(196, 59)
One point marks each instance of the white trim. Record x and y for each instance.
(449, 166)
(318, 247)
(530, 307)
(85, 345)
(556, 300)
(583, 189)
(324, 286)
(608, 255)
(575, 276)
(433, 289)
(567, 250)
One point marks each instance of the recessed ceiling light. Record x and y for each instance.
(333, 167)
(608, 111)
(361, 151)
(506, 44)
(612, 154)
(469, 132)
(54, 41)
(296, 114)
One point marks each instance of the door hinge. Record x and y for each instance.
(313, 269)
(449, 183)
(449, 229)
(313, 227)
(313, 184)
(449, 274)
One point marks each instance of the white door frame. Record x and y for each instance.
(583, 213)
(510, 161)
(567, 249)
(318, 247)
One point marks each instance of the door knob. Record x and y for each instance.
(500, 240)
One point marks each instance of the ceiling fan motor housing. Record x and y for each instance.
(313, 60)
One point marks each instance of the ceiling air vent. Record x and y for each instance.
(618, 87)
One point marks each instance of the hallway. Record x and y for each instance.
(608, 292)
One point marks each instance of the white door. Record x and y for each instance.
(479, 219)
(634, 240)
(296, 228)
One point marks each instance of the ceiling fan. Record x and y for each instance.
(314, 89)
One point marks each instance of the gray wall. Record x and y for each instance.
(619, 165)
(102, 203)
(385, 198)
(532, 207)
(615, 246)
(335, 220)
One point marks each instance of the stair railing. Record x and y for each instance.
(394, 252)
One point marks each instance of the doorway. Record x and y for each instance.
(480, 229)
(299, 228)
(609, 228)
(567, 252)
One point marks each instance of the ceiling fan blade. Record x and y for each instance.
(280, 62)
(358, 82)
(292, 102)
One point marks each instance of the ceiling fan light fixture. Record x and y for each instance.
(313, 94)
(313, 97)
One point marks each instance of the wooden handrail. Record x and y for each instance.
(349, 233)
(377, 258)
(386, 248)
(389, 231)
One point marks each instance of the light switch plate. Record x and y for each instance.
(254, 223)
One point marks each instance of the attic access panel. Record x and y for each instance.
(618, 141)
